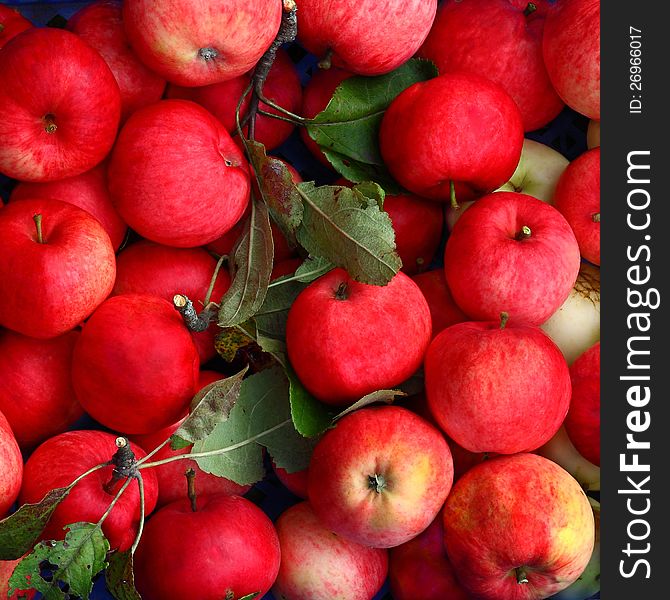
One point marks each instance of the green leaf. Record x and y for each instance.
(358, 171)
(20, 530)
(75, 561)
(371, 190)
(350, 230)
(312, 268)
(387, 396)
(310, 417)
(348, 128)
(210, 406)
(252, 260)
(119, 577)
(271, 318)
(231, 339)
(261, 417)
(250, 596)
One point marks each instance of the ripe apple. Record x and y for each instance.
(443, 310)
(135, 367)
(100, 25)
(60, 460)
(12, 22)
(88, 191)
(332, 322)
(296, 483)
(6, 569)
(341, 32)
(593, 134)
(495, 387)
(514, 253)
(53, 272)
(11, 466)
(36, 394)
(192, 44)
(433, 136)
(282, 86)
(231, 545)
(420, 568)
(517, 527)
(60, 104)
(380, 476)
(583, 420)
(319, 565)
(148, 268)
(176, 176)
(502, 41)
(578, 198)
(571, 50)
(575, 326)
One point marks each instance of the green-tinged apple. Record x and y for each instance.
(518, 527)
(317, 564)
(575, 326)
(593, 134)
(11, 466)
(380, 477)
(12, 22)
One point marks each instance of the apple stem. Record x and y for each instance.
(38, 225)
(521, 576)
(596, 217)
(193, 321)
(327, 61)
(523, 234)
(50, 123)
(125, 464)
(342, 292)
(504, 317)
(192, 495)
(530, 9)
(452, 195)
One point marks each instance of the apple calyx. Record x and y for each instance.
(504, 317)
(342, 291)
(521, 576)
(192, 495)
(452, 195)
(530, 9)
(50, 123)
(38, 226)
(523, 234)
(208, 53)
(377, 482)
(596, 217)
(327, 61)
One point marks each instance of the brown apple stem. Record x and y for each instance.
(212, 282)
(523, 234)
(327, 61)
(193, 321)
(596, 217)
(530, 9)
(125, 464)
(38, 225)
(504, 317)
(452, 195)
(192, 495)
(50, 123)
(521, 576)
(342, 292)
(376, 482)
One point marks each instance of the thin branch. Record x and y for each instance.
(140, 528)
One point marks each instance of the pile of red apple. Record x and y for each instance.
(130, 179)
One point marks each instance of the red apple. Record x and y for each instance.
(433, 135)
(367, 37)
(51, 282)
(296, 483)
(517, 527)
(11, 466)
(12, 22)
(571, 50)
(511, 252)
(380, 477)
(176, 176)
(583, 420)
(36, 392)
(319, 565)
(88, 191)
(497, 388)
(60, 460)
(282, 86)
(420, 568)
(502, 41)
(100, 25)
(285, 267)
(578, 198)
(443, 310)
(331, 325)
(60, 104)
(6, 569)
(194, 43)
(231, 545)
(135, 367)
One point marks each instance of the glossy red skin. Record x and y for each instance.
(49, 288)
(489, 271)
(6, 569)
(176, 176)
(282, 86)
(577, 197)
(88, 191)
(285, 267)
(296, 483)
(12, 22)
(36, 392)
(366, 37)
(149, 268)
(411, 455)
(167, 35)
(100, 24)
(316, 96)
(60, 460)
(48, 71)
(420, 568)
(11, 466)
(443, 310)
(434, 133)
(517, 511)
(571, 51)
(135, 367)
(230, 543)
(329, 340)
(494, 39)
(583, 420)
(317, 565)
(497, 390)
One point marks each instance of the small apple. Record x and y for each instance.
(443, 310)
(12, 22)
(11, 466)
